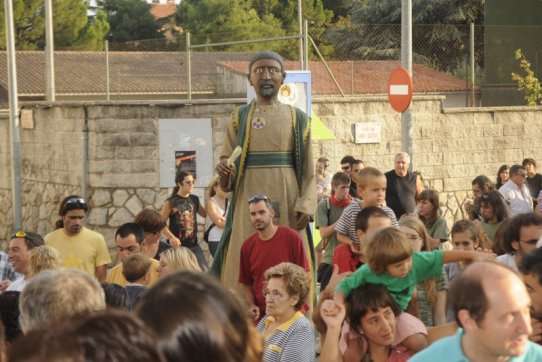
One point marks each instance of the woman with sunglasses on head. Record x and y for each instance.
(180, 209)
(287, 333)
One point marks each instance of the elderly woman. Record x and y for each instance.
(288, 334)
(372, 315)
(175, 259)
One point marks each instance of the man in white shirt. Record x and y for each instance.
(516, 192)
(20, 247)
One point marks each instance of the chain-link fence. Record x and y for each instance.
(357, 61)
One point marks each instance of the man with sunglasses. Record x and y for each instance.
(276, 159)
(78, 247)
(523, 233)
(269, 246)
(20, 247)
(347, 166)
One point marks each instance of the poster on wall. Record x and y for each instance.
(186, 161)
(186, 144)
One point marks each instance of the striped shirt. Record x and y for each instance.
(347, 222)
(291, 341)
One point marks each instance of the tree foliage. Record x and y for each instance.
(440, 30)
(224, 20)
(71, 26)
(130, 20)
(529, 83)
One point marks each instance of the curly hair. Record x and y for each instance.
(295, 278)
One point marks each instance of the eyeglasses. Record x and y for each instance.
(24, 235)
(258, 198)
(76, 200)
(273, 294)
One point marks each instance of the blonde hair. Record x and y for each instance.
(180, 258)
(412, 222)
(42, 258)
(363, 177)
(295, 278)
(386, 247)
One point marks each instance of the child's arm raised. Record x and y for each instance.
(451, 256)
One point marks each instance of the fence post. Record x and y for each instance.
(300, 22)
(472, 70)
(106, 48)
(306, 43)
(49, 52)
(189, 65)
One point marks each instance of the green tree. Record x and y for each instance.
(28, 23)
(529, 83)
(70, 23)
(130, 20)
(211, 21)
(373, 30)
(286, 11)
(93, 35)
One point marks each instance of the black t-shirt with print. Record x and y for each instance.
(182, 219)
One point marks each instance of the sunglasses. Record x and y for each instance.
(257, 198)
(76, 200)
(22, 234)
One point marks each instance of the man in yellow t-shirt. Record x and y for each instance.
(78, 247)
(129, 238)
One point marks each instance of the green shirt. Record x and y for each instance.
(439, 229)
(322, 219)
(490, 229)
(425, 265)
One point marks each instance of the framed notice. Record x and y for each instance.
(367, 132)
(185, 144)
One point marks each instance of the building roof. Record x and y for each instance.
(81, 74)
(160, 11)
(365, 76)
(84, 73)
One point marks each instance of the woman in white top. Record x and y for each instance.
(216, 206)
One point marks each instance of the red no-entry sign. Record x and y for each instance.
(400, 89)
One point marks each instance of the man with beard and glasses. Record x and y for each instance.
(78, 247)
(269, 246)
(276, 158)
(520, 238)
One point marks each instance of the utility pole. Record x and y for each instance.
(406, 62)
(49, 52)
(13, 119)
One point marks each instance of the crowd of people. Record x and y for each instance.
(388, 280)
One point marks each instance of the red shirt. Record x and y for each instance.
(345, 259)
(258, 255)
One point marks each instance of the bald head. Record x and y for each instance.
(491, 304)
(471, 290)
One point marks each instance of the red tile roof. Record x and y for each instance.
(160, 11)
(365, 76)
(130, 72)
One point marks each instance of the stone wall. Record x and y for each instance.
(451, 147)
